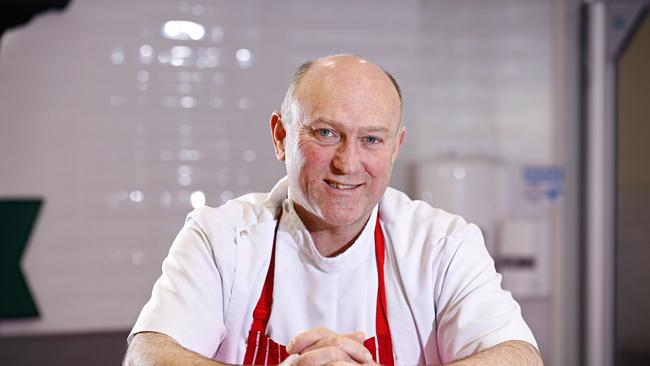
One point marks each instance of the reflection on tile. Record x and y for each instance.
(117, 56)
(164, 57)
(184, 180)
(183, 198)
(181, 51)
(146, 54)
(216, 34)
(184, 175)
(249, 156)
(197, 76)
(183, 30)
(136, 196)
(188, 102)
(143, 76)
(198, 10)
(207, 57)
(216, 103)
(459, 173)
(244, 58)
(137, 257)
(189, 155)
(165, 199)
(177, 61)
(197, 199)
(184, 170)
(244, 103)
(146, 50)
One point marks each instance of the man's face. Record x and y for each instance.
(339, 159)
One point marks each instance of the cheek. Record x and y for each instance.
(379, 167)
(316, 159)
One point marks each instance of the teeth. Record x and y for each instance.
(340, 186)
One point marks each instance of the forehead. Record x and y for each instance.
(350, 91)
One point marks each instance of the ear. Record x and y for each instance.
(400, 140)
(279, 135)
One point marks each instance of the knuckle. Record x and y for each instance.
(338, 341)
(322, 331)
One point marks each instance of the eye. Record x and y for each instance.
(323, 132)
(371, 140)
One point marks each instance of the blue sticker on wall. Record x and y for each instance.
(543, 184)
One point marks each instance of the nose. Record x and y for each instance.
(346, 159)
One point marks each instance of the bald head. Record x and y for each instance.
(332, 73)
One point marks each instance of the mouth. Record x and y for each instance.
(337, 185)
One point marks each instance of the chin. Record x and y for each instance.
(342, 216)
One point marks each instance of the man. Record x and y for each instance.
(332, 263)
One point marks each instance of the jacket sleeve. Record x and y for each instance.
(187, 300)
(473, 311)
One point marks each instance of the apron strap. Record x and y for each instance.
(262, 312)
(384, 340)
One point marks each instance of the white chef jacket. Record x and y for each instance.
(443, 295)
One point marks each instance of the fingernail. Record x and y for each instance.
(290, 345)
(292, 360)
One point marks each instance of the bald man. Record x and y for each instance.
(332, 266)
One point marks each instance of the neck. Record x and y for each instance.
(329, 240)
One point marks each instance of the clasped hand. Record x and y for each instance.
(321, 346)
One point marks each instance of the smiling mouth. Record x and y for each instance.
(341, 185)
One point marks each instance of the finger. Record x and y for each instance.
(307, 338)
(351, 347)
(357, 336)
(322, 356)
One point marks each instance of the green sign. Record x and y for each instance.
(17, 217)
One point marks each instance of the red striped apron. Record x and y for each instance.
(262, 350)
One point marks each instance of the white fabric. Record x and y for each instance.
(311, 290)
(443, 294)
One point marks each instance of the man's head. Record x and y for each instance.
(339, 134)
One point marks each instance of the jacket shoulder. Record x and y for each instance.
(418, 218)
(250, 209)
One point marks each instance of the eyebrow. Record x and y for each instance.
(340, 125)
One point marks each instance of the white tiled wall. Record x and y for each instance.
(98, 121)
